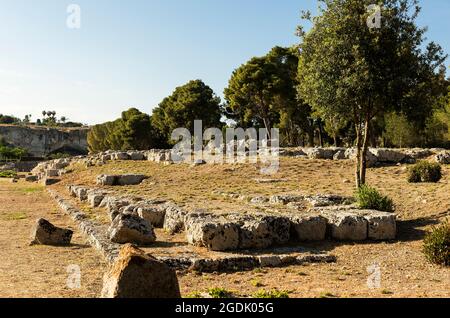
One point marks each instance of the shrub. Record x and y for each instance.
(8, 174)
(425, 171)
(220, 293)
(369, 198)
(436, 245)
(274, 293)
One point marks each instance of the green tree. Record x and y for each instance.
(399, 131)
(133, 131)
(349, 69)
(261, 93)
(192, 101)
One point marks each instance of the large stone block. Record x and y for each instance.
(210, 232)
(46, 233)
(346, 226)
(137, 275)
(128, 228)
(308, 227)
(262, 231)
(174, 221)
(153, 213)
(381, 225)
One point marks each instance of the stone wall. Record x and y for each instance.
(42, 141)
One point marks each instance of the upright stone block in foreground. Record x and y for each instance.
(137, 275)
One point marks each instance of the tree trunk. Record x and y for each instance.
(358, 156)
(365, 147)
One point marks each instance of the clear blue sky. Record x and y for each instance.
(134, 53)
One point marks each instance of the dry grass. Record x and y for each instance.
(40, 271)
(404, 270)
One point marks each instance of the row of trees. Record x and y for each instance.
(48, 119)
(344, 84)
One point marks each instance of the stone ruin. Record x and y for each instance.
(284, 220)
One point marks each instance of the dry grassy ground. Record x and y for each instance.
(404, 270)
(40, 271)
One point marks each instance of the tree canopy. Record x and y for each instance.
(192, 101)
(351, 70)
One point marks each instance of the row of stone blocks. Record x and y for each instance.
(98, 238)
(235, 231)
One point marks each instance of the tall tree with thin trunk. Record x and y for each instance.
(356, 69)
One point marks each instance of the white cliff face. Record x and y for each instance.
(42, 141)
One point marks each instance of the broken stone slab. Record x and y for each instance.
(120, 180)
(216, 234)
(128, 228)
(308, 228)
(137, 275)
(45, 233)
(174, 221)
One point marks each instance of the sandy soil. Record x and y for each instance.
(41, 271)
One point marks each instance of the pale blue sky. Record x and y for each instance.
(134, 53)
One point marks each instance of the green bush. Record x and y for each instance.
(220, 293)
(425, 171)
(8, 174)
(274, 293)
(436, 245)
(369, 198)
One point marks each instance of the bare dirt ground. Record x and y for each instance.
(404, 271)
(40, 271)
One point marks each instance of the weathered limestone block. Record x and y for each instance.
(95, 197)
(130, 179)
(49, 181)
(286, 199)
(371, 159)
(120, 180)
(136, 156)
(346, 226)
(323, 200)
(388, 155)
(308, 227)
(153, 213)
(216, 234)
(137, 275)
(339, 155)
(120, 156)
(174, 219)
(381, 225)
(127, 228)
(52, 173)
(106, 180)
(443, 158)
(320, 153)
(81, 193)
(261, 231)
(46, 233)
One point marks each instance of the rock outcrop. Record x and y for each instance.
(42, 141)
